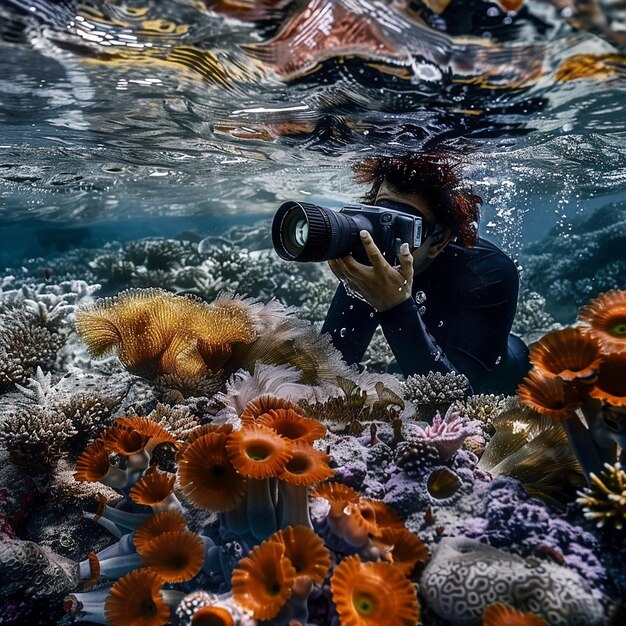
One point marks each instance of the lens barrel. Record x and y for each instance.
(307, 232)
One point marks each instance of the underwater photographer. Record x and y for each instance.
(410, 260)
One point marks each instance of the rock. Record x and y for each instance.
(34, 571)
(465, 576)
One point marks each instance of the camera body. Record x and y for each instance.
(307, 232)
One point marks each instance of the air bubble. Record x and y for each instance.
(342, 332)
(420, 297)
(498, 360)
(372, 314)
(421, 310)
(351, 306)
(440, 323)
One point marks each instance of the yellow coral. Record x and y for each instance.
(157, 332)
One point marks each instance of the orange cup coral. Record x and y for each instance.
(569, 354)
(610, 387)
(373, 594)
(605, 320)
(263, 581)
(292, 425)
(548, 396)
(206, 475)
(162, 522)
(258, 452)
(135, 599)
(175, 555)
(305, 550)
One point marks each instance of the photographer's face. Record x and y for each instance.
(424, 255)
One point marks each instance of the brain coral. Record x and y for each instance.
(465, 576)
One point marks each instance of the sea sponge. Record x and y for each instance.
(34, 571)
(464, 577)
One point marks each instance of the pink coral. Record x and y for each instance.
(448, 433)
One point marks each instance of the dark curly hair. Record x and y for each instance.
(433, 176)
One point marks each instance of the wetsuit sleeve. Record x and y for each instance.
(351, 324)
(415, 349)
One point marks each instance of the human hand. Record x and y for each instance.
(381, 285)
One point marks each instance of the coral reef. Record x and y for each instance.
(568, 271)
(532, 321)
(287, 457)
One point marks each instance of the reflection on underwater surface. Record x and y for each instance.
(183, 108)
(145, 145)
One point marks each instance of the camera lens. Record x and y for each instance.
(307, 232)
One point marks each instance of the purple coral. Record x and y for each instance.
(447, 434)
(512, 518)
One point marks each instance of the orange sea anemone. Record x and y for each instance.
(212, 616)
(93, 464)
(338, 495)
(371, 594)
(307, 466)
(200, 431)
(610, 387)
(125, 441)
(206, 475)
(406, 548)
(385, 516)
(258, 452)
(292, 425)
(135, 599)
(569, 354)
(263, 581)
(305, 550)
(605, 319)
(548, 396)
(176, 555)
(255, 408)
(155, 525)
(153, 488)
(148, 428)
(505, 615)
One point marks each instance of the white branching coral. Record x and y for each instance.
(604, 501)
(45, 422)
(484, 407)
(435, 388)
(37, 435)
(25, 343)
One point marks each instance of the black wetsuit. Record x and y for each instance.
(466, 302)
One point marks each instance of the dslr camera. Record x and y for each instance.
(307, 232)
